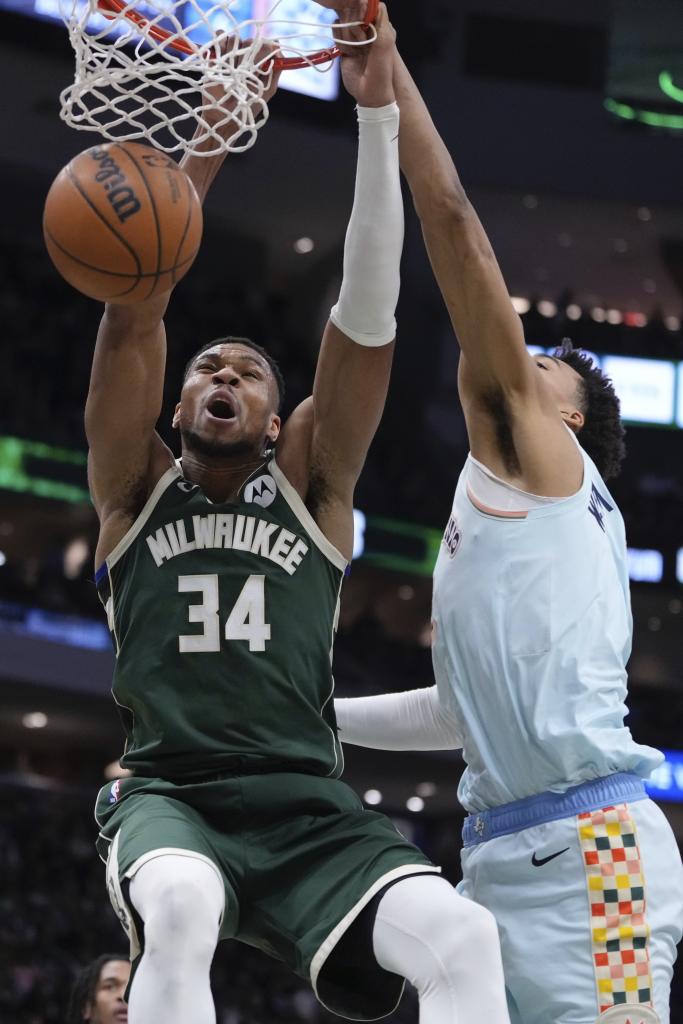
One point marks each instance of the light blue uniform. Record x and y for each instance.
(532, 633)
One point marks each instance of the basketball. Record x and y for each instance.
(122, 222)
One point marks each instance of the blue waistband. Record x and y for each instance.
(624, 787)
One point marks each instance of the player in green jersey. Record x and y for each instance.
(220, 575)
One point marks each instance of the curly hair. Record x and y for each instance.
(85, 986)
(602, 435)
(230, 340)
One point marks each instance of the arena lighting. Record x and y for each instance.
(614, 316)
(3, 558)
(679, 565)
(359, 524)
(114, 771)
(520, 305)
(573, 311)
(645, 566)
(645, 388)
(666, 782)
(76, 555)
(679, 395)
(20, 469)
(671, 122)
(546, 308)
(666, 84)
(57, 627)
(415, 804)
(598, 314)
(304, 245)
(34, 720)
(672, 323)
(426, 789)
(372, 797)
(633, 319)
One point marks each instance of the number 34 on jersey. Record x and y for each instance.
(246, 621)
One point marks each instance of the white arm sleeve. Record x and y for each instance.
(366, 308)
(412, 720)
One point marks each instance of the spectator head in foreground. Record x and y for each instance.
(97, 994)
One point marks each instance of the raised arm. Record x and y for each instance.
(497, 379)
(355, 358)
(126, 455)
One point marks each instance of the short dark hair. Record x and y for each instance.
(602, 435)
(232, 340)
(85, 985)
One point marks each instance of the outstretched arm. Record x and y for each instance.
(411, 720)
(356, 353)
(126, 455)
(495, 368)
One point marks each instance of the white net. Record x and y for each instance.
(186, 74)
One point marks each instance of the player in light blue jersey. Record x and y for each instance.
(532, 633)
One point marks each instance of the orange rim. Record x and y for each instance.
(183, 45)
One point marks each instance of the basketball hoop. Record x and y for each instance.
(189, 74)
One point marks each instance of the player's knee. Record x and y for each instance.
(182, 925)
(464, 932)
(181, 912)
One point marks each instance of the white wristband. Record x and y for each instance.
(411, 720)
(367, 302)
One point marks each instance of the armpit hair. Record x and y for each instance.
(318, 490)
(495, 403)
(134, 496)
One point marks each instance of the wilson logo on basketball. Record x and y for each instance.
(119, 193)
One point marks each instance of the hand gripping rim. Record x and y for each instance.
(116, 8)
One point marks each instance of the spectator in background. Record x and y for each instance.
(97, 995)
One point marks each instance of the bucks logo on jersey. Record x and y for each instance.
(223, 619)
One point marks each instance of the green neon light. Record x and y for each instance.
(666, 84)
(14, 476)
(431, 540)
(672, 122)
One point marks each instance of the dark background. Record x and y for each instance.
(582, 207)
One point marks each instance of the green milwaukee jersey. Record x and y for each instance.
(223, 617)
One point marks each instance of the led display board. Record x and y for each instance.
(321, 84)
(645, 388)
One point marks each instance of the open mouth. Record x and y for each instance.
(221, 408)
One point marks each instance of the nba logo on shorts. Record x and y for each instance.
(261, 491)
(115, 791)
(452, 537)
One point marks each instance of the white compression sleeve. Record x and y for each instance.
(366, 308)
(181, 900)
(447, 947)
(412, 720)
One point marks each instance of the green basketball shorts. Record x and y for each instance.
(299, 857)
